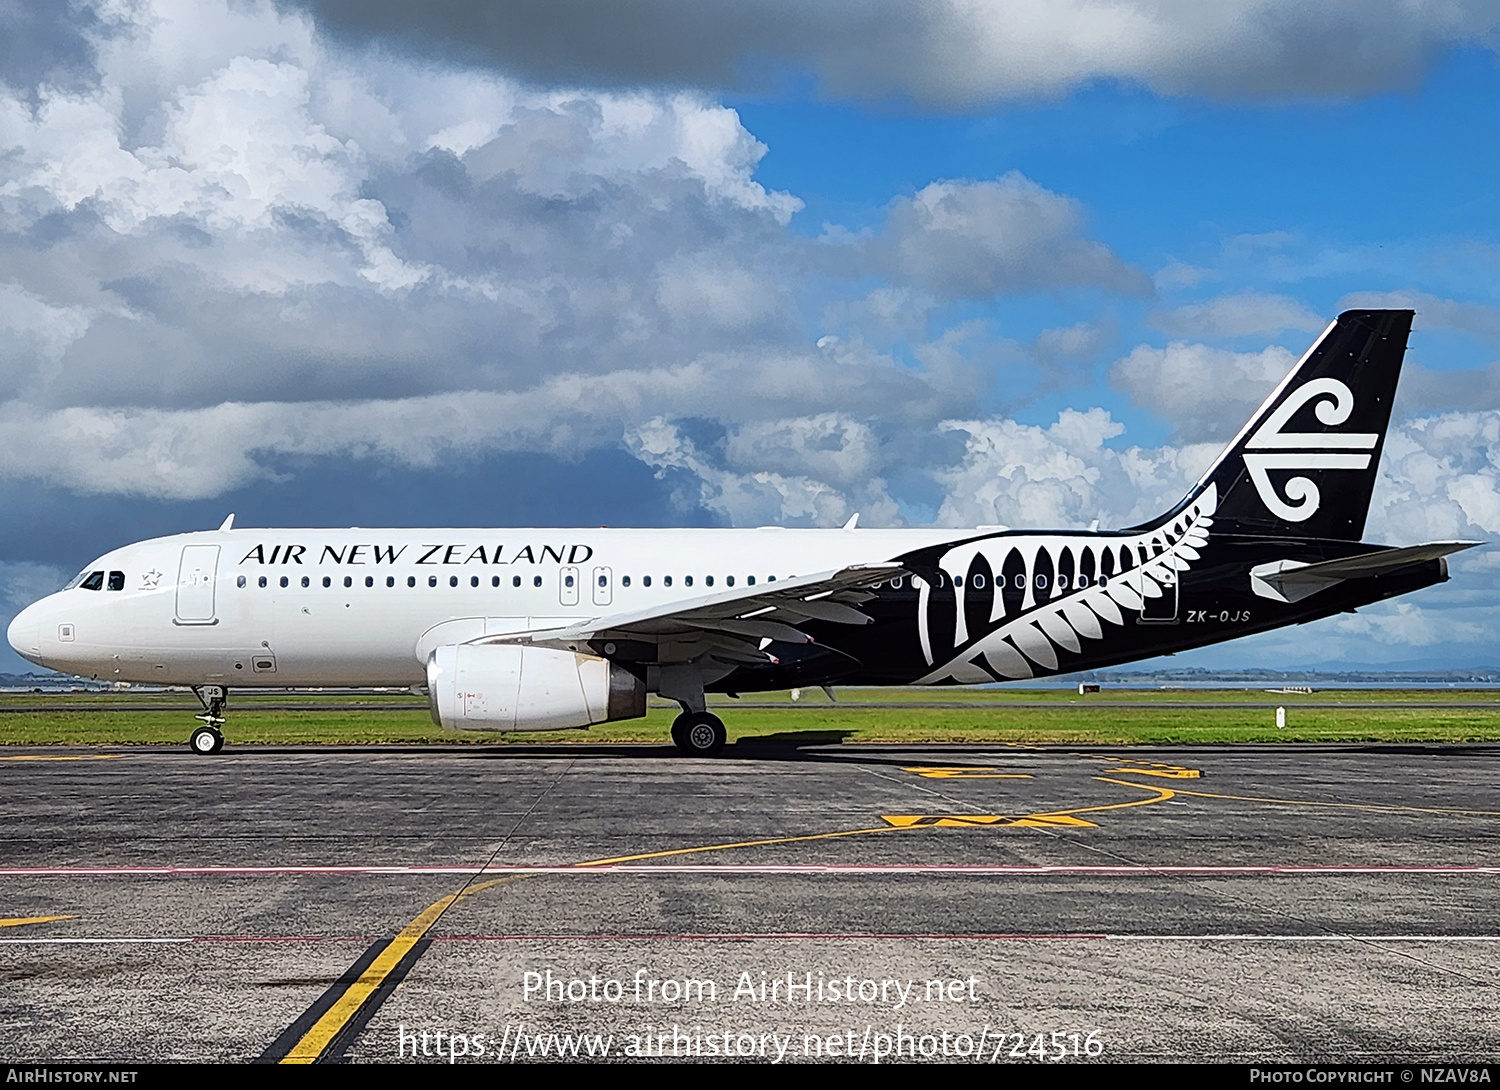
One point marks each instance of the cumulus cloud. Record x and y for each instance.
(949, 53)
(234, 244)
(768, 496)
(1063, 475)
(231, 211)
(195, 453)
(976, 240)
(1476, 319)
(1440, 479)
(1203, 392)
(1238, 315)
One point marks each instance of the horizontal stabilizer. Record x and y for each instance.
(1293, 580)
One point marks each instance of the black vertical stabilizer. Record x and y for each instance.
(1306, 462)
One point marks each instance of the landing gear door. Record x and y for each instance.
(196, 575)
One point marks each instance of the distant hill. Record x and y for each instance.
(49, 682)
(1197, 675)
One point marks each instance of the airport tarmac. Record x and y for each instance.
(994, 902)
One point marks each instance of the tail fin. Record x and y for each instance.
(1306, 462)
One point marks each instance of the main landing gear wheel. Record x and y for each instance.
(206, 740)
(698, 734)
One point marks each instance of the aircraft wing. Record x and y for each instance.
(733, 625)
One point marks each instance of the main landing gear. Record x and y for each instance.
(208, 739)
(698, 734)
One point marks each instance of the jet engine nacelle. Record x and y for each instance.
(511, 687)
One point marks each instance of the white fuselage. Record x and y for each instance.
(352, 607)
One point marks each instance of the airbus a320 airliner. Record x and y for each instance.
(516, 630)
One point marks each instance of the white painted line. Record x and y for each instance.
(131, 940)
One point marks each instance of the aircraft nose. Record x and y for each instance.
(25, 633)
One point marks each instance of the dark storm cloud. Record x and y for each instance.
(944, 52)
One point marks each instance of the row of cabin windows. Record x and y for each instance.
(115, 580)
(474, 581)
(687, 580)
(979, 582)
(390, 581)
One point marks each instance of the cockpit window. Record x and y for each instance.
(95, 581)
(116, 580)
(77, 579)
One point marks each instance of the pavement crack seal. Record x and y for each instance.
(325, 1030)
(1216, 887)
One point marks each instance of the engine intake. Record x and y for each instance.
(511, 687)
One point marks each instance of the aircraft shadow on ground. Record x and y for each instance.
(802, 745)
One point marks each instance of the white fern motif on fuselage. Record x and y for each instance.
(1051, 615)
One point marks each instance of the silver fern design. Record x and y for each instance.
(1046, 593)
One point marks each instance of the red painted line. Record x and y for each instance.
(285, 938)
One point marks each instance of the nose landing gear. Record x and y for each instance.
(208, 739)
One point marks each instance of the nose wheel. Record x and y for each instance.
(208, 739)
(698, 734)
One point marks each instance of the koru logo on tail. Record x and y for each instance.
(1306, 450)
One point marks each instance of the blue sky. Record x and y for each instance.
(588, 263)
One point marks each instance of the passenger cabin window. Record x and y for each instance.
(369, 580)
(261, 581)
(749, 579)
(495, 582)
(95, 581)
(536, 581)
(709, 580)
(240, 582)
(390, 580)
(349, 581)
(411, 580)
(687, 580)
(432, 580)
(666, 581)
(624, 581)
(327, 580)
(306, 582)
(646, 580)
(284, 580)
